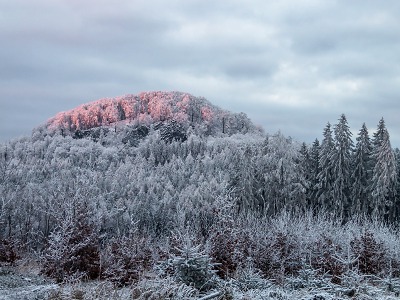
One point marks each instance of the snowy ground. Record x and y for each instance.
(28, 285)
(14, 285)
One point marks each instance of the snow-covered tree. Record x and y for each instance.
(384, 175)
(193, 267)
(396, 210)
(325, 176)
(341, 161)
(314, 171)
(361, 175)
(308, 171)
(73, 249)
(283, 181)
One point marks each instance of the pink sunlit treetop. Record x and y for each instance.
(146, 108)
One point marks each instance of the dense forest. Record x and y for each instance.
(121, 187)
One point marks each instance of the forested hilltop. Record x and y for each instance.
(169, 187)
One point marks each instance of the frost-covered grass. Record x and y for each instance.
(167, 288)
(248, 284)
(286, 257)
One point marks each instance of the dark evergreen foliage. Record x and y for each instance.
(384, 174)
(361, 176)
(326, 175)
(136, 135)
(341, 160)
(314, 170)
(193, 267)
(8, 253)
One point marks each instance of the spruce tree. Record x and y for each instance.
(378, 136)
(305, 171)
(315, 169)
(341, 160)
(325, 176)
(384, 175)
(396, 210)
(361, 175)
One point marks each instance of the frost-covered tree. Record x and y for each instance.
(396, 210)
(309, 170)
(281, 174)
(384, 175)
(314, 171)
(341, 161)
(305, 167)
(193, 267)
(325, 176)
(73, 250)
(248, 191)
(361, 175)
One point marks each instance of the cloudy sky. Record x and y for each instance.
(290, 65)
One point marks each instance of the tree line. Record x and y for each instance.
(43, 177)
(349, 178)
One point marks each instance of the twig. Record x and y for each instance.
(211, 296)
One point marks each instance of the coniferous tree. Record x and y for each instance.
(361, 175)
(309, 160)
(304, 155)
(305, 171)
(325, 176)
(396, 210)
(315, 170)
(384, 175)
(378, 136)
(283, 180)
(341, 160)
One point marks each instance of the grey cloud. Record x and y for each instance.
(290, 65)
(250, 69)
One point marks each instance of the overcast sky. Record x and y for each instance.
(290, 65)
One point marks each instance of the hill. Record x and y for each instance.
(148, 108)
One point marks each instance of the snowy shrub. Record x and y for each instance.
(192, 267)
(370, 253)
(230, 246)
(277, 255)
(308, 278)
(262, 257)
(126, 259)
(325, 258)
(7, 251)
(88, 291)
(286, 253)
(223, 246)
(73, 250)
(248, 278)
(163, 288)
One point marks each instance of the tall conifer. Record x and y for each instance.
(384, 175)
(325, 176)
(361, 175)
(341, 161)
(314, 171)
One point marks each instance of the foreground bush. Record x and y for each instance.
(126, 259)
(7, 251)
(192, 267)
(73, 251)
(310, 251)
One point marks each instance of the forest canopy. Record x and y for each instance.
(155, 166)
